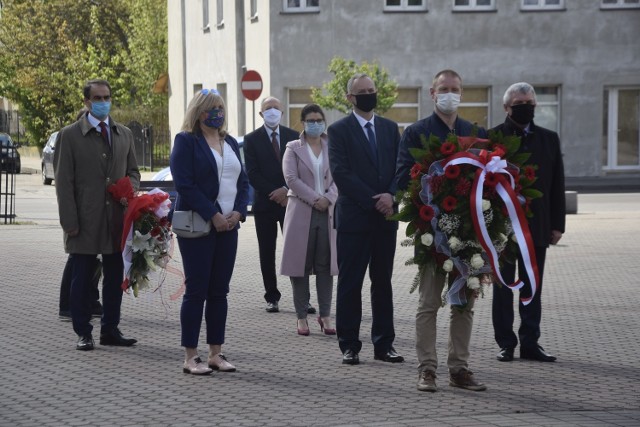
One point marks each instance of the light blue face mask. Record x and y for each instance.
(313, 129)
(100, 109)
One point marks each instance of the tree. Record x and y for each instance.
(336, 89)
(50, 48)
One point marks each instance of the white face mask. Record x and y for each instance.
(272, 117)
(448, 102)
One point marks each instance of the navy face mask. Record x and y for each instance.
(215, 118)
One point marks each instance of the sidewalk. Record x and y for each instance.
(590, 322)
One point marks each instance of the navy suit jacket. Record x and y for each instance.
(359, 176)
(263, 168)
(195, 175)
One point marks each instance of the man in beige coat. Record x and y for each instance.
(90, 155)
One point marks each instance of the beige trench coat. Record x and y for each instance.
(84, 167)
(299, 174)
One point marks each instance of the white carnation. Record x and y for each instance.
(486, 205)
(447, 266)
(473, 283)
(427, 239)
(477, 261)
(455, 244)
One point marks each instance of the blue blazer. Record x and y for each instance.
(195, 175)
(359, 176)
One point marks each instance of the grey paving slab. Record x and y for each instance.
(590, 321)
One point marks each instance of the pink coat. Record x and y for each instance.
(297, 168)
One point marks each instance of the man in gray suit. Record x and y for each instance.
(90, 155)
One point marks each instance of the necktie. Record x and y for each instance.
(104, 133)
(372, 140)
(276, 146)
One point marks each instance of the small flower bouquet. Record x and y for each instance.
(466, 207)
(146, 237)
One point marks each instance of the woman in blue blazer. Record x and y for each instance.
(210, 180)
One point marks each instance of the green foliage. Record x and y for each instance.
(332, 95)
(49, 49)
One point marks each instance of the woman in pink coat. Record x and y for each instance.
(309, 236)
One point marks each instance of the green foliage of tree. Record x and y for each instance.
(50, 48)
(332, 95)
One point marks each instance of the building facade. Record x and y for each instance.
(582, 56)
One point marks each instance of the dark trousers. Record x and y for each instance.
(530, 315)
(355, 252)
(81, 288)
(267, 232)
(65, 284)
(208, 265)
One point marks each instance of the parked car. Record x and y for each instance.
(47, 159)
(165, 174)
(9, 156)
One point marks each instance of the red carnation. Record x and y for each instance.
(435, 183)
(416, 170)
(448, 148)
(463, 187)
(449, 203)
(426, 213)
(452, 171)
(491, 179)
(530, 173)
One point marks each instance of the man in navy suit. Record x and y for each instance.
(362, 151)
(263, 149)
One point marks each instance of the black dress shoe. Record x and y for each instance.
(390, 356)
(272, 307)
(115, 337)
(65, 315)
(536, 353)
(96, 310)
(505, 354)
(85, 343)
(350, 357)
(311, 309)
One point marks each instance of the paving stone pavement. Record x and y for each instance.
(590, 321)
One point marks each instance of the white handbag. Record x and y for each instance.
(189, 224)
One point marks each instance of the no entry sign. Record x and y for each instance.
(251, 85)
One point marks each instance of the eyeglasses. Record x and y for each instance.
(318, 121)
(209, 91)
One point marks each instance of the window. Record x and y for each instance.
(298, 98)
(620, 4)
(300, 6)
(219, 14)
(474, 105)
(547, 108)
(621, 129)
(474, 5)
(197, 88)
(205, 16)
(222, 89)
(405, 5)
(254, 10)
(542, 4)
(406, 109)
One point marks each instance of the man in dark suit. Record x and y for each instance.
(263, 149)
(362, 151)
(546, 225)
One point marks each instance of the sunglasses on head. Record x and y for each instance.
(209, 91)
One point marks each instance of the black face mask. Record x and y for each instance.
(522, 113)
(366, 101)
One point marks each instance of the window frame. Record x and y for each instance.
(416, 105)
(404, 7)
(253, 10)
(473, 7)
(542, 6)
(478, 104)
(303, 8)
(555, 103)
(206, 23)
(219, 14)
(620, 4)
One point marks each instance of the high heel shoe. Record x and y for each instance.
(304, 330)
(327, 331)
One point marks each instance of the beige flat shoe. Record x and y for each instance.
(219, 363)
(195, 366)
